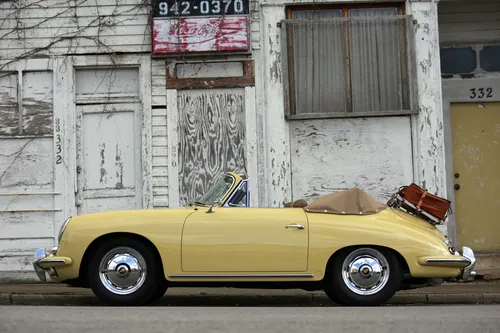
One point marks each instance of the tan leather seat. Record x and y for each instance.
(296, 204)
(301, 203)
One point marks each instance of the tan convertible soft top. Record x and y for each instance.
(348, 202)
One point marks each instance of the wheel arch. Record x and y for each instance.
(402, 261)
(96, 243)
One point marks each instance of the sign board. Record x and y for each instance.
(200, 26)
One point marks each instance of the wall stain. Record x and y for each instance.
(103, 169)
(119, 168)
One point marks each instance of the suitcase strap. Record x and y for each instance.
(421, 199)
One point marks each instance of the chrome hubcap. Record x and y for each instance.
(122, 271)
(365, 271)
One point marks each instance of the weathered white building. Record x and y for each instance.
(327, 96)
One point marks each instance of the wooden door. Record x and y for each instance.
(476, 164)
(108, 157)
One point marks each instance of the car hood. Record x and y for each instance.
(137, 216)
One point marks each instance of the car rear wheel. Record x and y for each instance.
(364, 276)
(124, 271)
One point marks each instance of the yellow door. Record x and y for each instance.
(476, 163)
(245, 240)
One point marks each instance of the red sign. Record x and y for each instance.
(200, 35)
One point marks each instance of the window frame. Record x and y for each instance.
(21, 95)
(407, 76)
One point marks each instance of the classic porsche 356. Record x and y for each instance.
(357, 249)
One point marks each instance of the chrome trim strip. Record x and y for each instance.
(212, 276)
(54, 261)
(63, 228)
(447, 261)
(230, 188)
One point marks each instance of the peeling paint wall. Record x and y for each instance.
(330, 155)
(292, 170)
(429, 144)
(276, 132)
(27, 193)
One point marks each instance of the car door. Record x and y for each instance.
(231, 239)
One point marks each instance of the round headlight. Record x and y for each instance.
(63, 227)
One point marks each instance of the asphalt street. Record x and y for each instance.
(450, 318)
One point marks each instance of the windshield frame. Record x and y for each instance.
(222, 198)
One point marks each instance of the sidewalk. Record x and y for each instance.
(56, 294)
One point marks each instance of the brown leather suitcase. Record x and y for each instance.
(423, 200)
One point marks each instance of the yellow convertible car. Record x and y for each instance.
(358, 250)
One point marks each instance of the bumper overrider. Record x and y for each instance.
(46, 262)
(465, 261)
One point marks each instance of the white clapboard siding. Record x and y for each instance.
(329, 155)
(26, 200)
(469, 22)
(159, 134)
(60, 27)
(255, 23)
(158, 83)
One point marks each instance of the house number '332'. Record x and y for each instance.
(478, 93)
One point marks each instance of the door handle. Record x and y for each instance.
(298, 226)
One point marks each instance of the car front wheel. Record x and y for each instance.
(364, 276)
(124, 271)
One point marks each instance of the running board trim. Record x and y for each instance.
(238, 276)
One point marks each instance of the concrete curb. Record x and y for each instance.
(248, 300)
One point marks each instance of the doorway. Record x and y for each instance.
(476, 165)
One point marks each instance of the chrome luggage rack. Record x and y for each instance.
(398, 202)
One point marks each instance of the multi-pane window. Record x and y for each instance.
(26, 103)
(347, 61)
(470, 59)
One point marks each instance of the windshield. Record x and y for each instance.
(218, 190)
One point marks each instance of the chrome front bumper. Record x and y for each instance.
(468, 271)
(43, 254)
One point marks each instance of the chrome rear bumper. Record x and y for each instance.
(468, 271)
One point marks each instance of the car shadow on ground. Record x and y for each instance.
(195, 301)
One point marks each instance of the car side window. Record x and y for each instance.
(239, 199)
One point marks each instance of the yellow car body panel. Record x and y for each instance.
(161, 227)
(235, 241)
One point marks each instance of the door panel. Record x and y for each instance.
(108, 154)
(245, 240)
(476, 163)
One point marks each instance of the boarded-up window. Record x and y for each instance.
(26, 109)
(347, 61)
(212, 138)
(9, 115)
